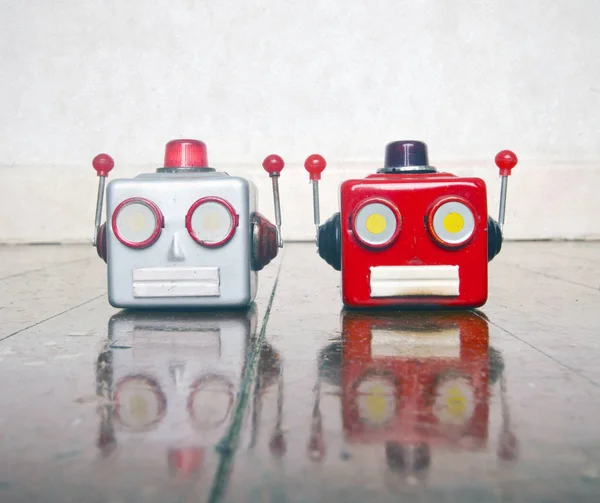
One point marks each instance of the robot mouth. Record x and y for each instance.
(176, 282)
(415, 281)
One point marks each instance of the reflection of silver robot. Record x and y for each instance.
(185, 236)
(414, 383)
(169, 380)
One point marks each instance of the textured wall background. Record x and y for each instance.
(341, 78)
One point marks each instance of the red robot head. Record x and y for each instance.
(412, 236)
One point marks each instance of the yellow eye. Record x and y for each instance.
(376, 400)
(376, 223)
(452, 222)
(454, 402)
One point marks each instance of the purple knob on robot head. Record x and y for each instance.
(404, 154)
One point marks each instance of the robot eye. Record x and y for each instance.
(451, 222)
(376, 401)
(210, 401)
(211, 221)
(376, 223)
(454, 401)
(139, 403)
(137, 222)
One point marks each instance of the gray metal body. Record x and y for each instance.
(174, 194)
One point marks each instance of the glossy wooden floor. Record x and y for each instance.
(295, 399)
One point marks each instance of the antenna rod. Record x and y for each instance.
(103, 164)
(315, 164)
(506, 161)
(273, 165)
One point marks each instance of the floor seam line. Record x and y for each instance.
(229, 442)
(546, 275)
(564, 365)
(49, 266)
(51, 317)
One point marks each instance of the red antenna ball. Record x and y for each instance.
(103, 164)
(506, 161)
(186, 154)
(273, 164)
(315, 164)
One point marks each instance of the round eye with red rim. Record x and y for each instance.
(451, 222)
(140, 404)
(137, 222)
(454, 401)
(376, 223)
(211, 221)
(210, 401)
(376, 400)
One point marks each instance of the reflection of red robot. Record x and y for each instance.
(410, 236)
(415, 382)
(171, 380)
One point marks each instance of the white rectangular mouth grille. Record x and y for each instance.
(176, 282)
(415, 281)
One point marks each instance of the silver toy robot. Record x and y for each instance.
(185, 236)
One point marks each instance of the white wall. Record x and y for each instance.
(341, 78)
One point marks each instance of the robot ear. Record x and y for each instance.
(101, 242)
(264, 242)
(330, 242)
(494, 238)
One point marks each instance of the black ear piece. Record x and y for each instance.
(494, 238)
(330, 242)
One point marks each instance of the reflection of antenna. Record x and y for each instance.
(506, 161)
(316, 443)
(508, 448)
(273, 165)
(277, 444)
(315, 164)
(103, 164)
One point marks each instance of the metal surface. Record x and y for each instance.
(495, 405)
(317, 216)
(99, 204)
(276, 202)
(174, 194)
(502, 210)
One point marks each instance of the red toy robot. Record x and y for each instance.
(410, 235)
(415, 383)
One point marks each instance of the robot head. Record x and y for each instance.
(411, 236)
(185, 236)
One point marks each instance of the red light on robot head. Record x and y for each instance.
(506, 161)
(273, 164)
(103, 164)
(186, 154)
(186, 461)
(315, 164)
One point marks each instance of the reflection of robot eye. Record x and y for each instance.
(454, 401)
(376, 400)
(137, 222)
(139, 403)
(211, 221)
(452, 222)
(210, 401)
(376, 223)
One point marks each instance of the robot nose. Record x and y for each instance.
(176, 252)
